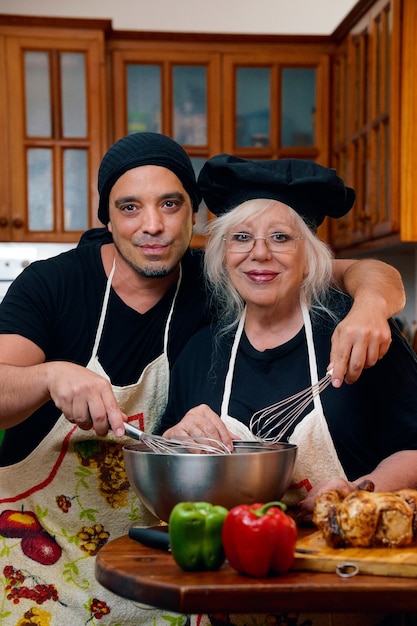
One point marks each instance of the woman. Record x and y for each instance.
(271, 282)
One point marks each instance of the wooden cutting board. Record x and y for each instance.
(378, 561)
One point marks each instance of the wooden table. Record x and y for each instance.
(151, 576)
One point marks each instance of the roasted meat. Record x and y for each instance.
(367, 519)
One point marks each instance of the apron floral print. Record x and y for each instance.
(63, 502)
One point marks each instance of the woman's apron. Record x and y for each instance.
(317, 460)
(68, 498)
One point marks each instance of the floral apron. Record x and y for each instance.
(317, 460)
(63, 502)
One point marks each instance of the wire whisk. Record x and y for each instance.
(271, 423)
(183, 445)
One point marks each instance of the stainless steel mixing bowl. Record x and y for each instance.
(253, 473)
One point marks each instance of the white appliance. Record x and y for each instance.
(14, 257)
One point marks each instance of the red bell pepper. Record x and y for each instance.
(259, 539)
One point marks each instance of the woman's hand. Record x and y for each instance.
(306, 506)
(201, 421)
(398, 471)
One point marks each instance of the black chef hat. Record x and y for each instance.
(144, 149)
(310, 189)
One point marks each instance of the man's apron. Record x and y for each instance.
(67, 499)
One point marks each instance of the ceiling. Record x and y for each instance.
(294, 17)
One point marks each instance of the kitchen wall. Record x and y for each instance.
(320, 17)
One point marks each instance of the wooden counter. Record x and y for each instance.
(151, 576)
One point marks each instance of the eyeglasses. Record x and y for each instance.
(277, 242)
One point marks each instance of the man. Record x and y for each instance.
(88, 338)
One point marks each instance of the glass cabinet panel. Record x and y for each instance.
(75, 190)
(361, 84)
(190, 104)
(175, 92)
(144, 108)
(70, 120)
(298, 106)
(73, 94)
(40, 189)
(253, 98)
(382, 29)
(38, 94)
(55, 85)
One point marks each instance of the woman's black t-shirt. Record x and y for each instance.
(368, 420)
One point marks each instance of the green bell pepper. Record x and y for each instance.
(195, 535)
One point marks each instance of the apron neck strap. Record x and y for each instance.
(171, 312)
(105, 305)
(229, 376)
(310, 350)
(104, 309)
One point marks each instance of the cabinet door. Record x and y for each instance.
(54, 104)
(239, 99)
(276, 105)
(366, 135)
(408, 126)
(175, 93)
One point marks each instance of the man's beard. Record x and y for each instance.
(152, 272)
(148, 271)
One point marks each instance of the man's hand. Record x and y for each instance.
(27, 382)
(359, 341)
(84, 397)
(364, 336)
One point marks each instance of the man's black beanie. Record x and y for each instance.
(144, 149)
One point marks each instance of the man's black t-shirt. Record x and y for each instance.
(57, 303)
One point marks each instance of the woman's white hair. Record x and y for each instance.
(226, 299)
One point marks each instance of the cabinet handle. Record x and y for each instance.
(4, 222)
(17, 222)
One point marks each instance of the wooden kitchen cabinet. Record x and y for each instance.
(347, 101)
(53, 123)
(276, 105)
(66, 94)
(366, 125)
(258, 100)
(170, 90)
(408, 126)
